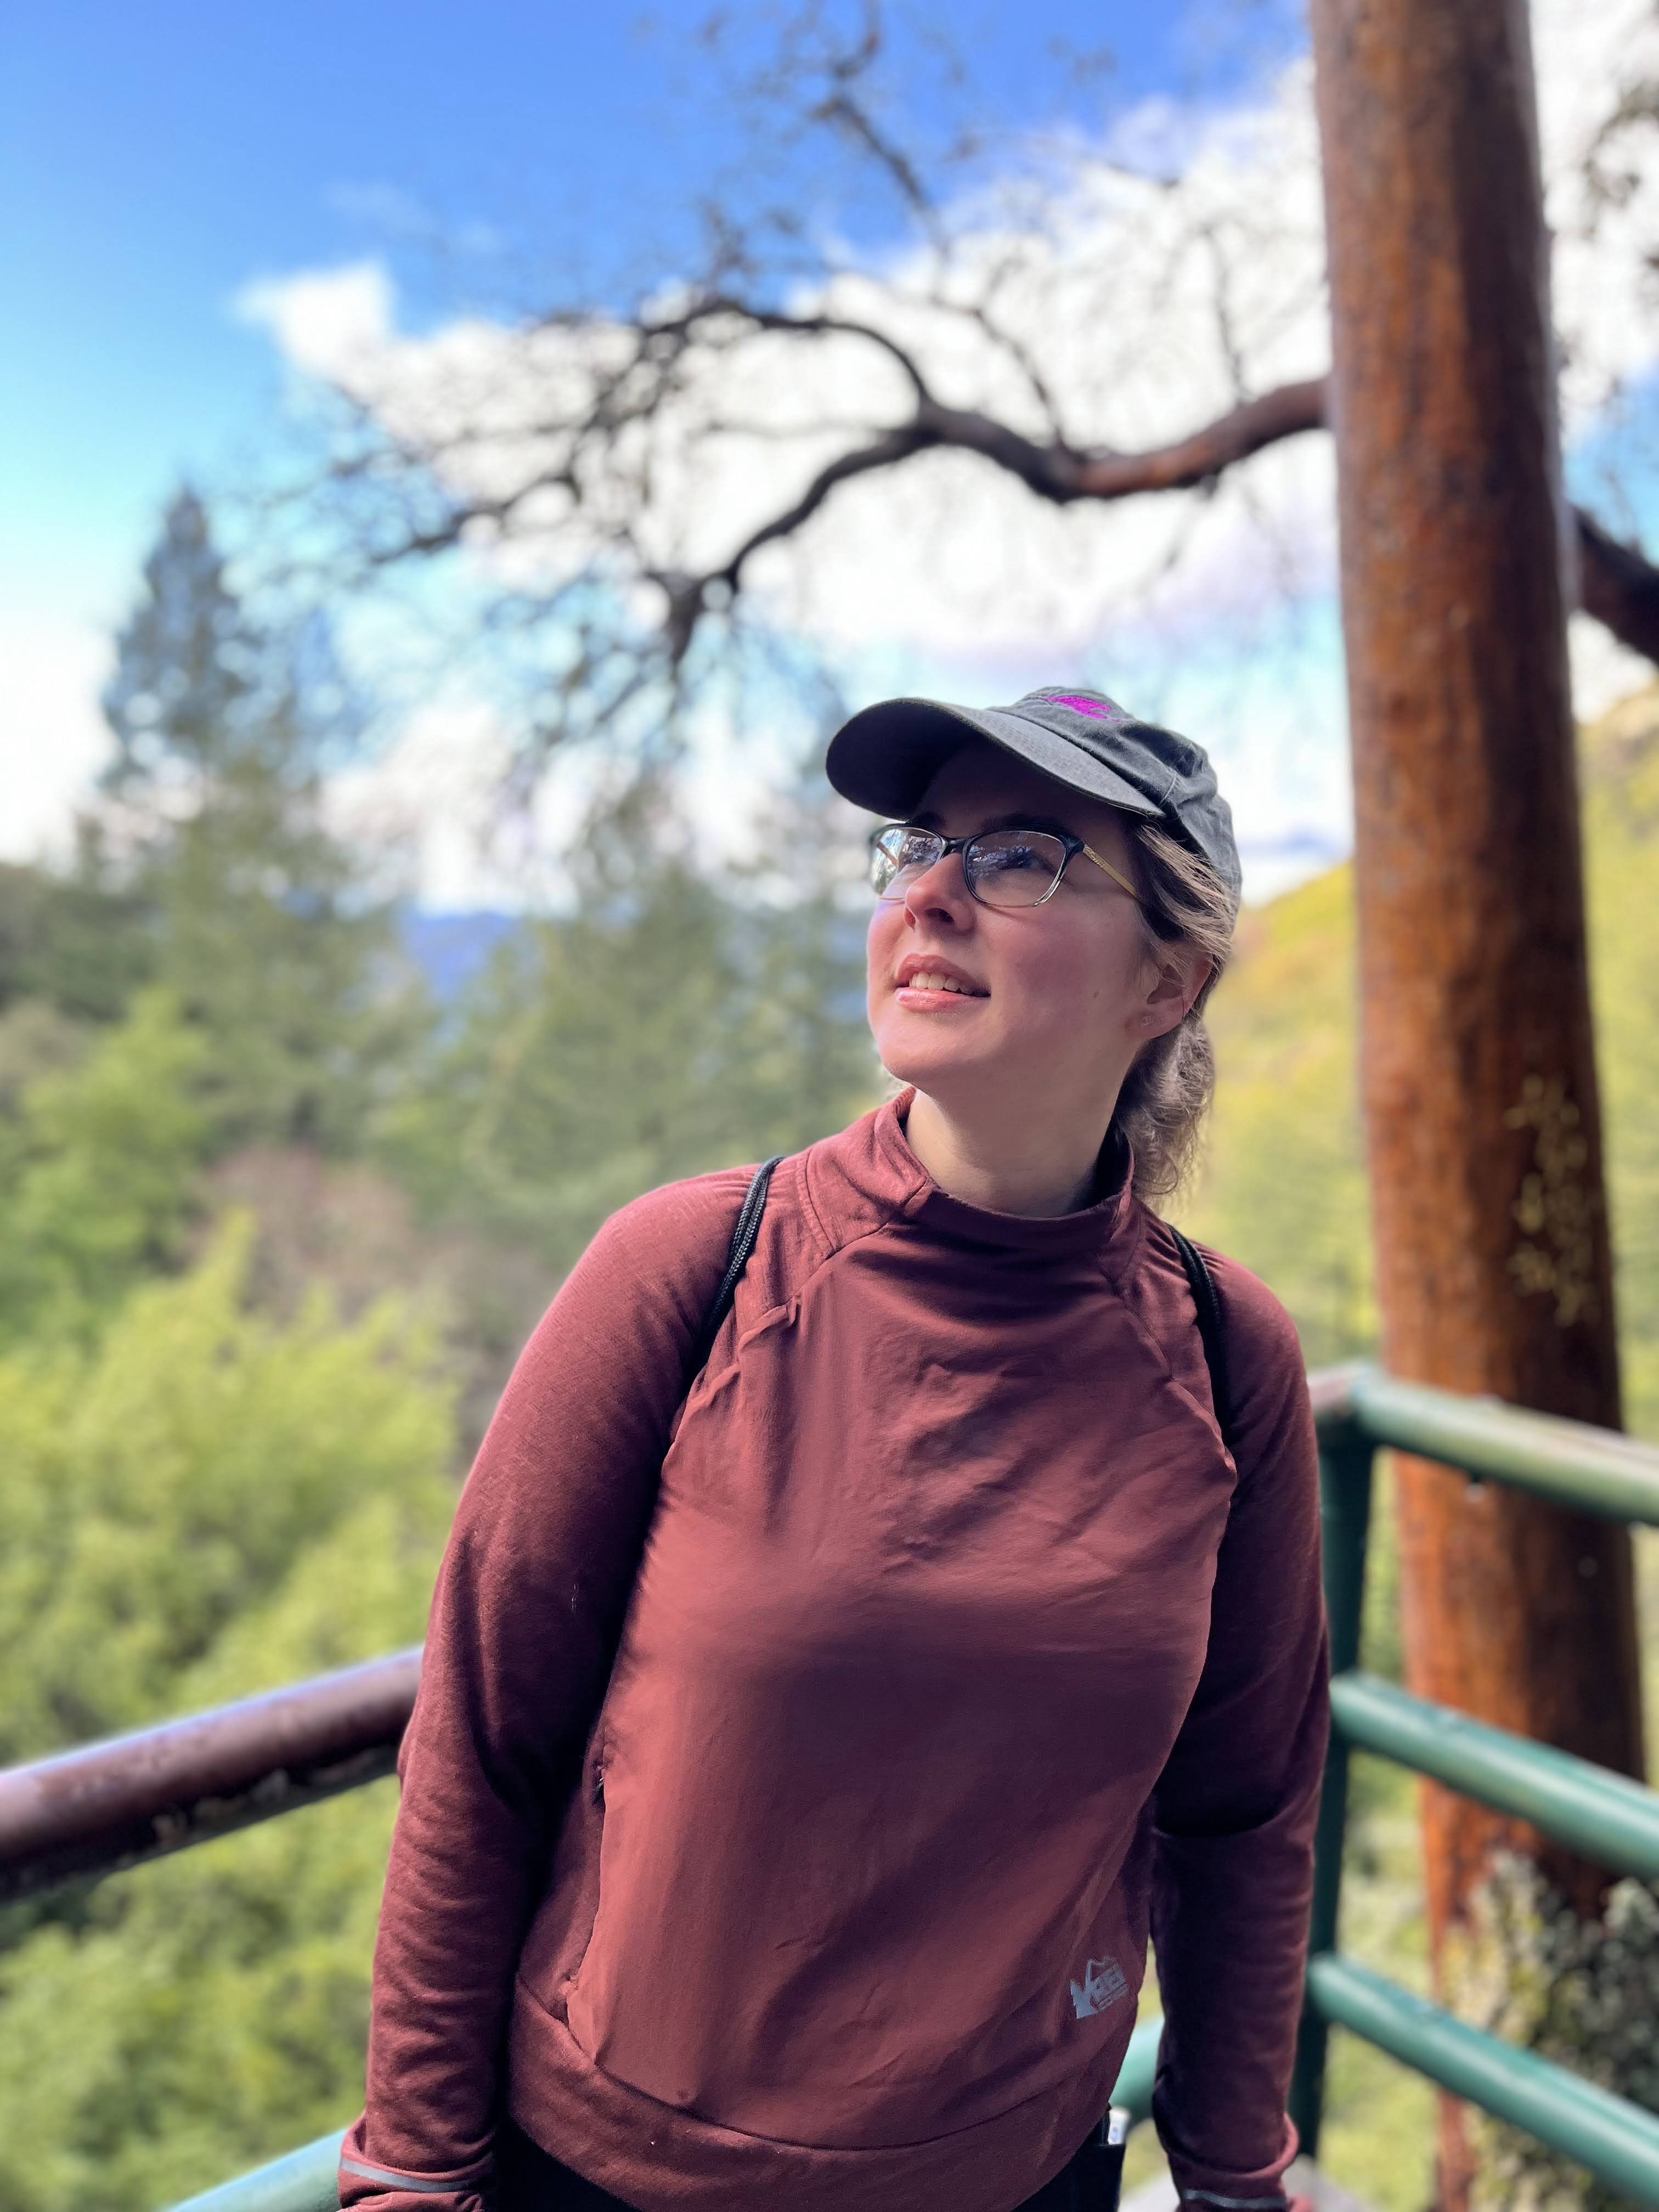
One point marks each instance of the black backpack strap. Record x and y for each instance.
(737, 1258)
(1209, 1328)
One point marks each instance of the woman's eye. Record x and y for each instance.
(916, 852)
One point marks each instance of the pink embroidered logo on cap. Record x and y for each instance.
(1101, 707)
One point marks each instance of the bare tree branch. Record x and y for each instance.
(1053, 472)
(597, 452)
(1204, 454)
(820, 326)
(1618, 587)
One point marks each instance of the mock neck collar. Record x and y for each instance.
(875, 1158)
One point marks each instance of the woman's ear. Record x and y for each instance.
(1182, 971)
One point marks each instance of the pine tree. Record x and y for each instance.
(188, 665)
(265, 934)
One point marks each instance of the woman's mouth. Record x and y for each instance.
(922, 987)
(925, 982)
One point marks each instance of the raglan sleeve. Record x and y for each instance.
(1235, 1807)
(530, 1596)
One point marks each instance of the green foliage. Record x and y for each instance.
(1284, 1185)
(211, 2011)
(295, 990)
(97, 1173)
(676, 1031)
(71, 940)
(215, 2015)
(1621, 820)
(37, 1039)
(1581, 1993)
(204, 1505)
(163, 1485)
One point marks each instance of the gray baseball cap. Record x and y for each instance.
(886, 756)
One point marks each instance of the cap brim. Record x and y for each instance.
(887, 755)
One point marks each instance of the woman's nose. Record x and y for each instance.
(940, 889)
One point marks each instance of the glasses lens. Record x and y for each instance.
(1013, 867)
(898, 855)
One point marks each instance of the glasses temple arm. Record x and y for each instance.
(1116, 874)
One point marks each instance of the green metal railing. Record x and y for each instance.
(112, 1806)
(1610, 1819)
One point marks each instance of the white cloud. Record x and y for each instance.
(1117, 299)
(1602, 277)
(1604, 670)
(331, 323)
(429, 805)
(53, 739)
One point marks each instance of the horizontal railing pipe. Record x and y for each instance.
(1589, 1469)
(1618, 2141)
(131, 1798)
(306, 2180)
(1331, 1390)
(1610, 1819)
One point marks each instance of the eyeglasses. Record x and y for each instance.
(1000, 867)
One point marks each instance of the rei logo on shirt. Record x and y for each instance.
(1103, 1983)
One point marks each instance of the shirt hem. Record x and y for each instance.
(661, 2157)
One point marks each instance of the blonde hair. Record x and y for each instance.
(1168, 1091)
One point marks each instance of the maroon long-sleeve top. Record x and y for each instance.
(798, 1772)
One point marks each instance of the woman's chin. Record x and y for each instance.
(926, 1061)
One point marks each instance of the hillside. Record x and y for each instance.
(1283, 1186)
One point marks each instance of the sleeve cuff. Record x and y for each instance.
(1208, 2188)
(367, 2181)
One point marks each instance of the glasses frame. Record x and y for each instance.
(948, 845)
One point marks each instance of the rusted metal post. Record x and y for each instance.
(113, 1804)
(1478, 1066)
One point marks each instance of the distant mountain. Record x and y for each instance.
(449, 949)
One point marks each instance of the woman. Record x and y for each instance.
(800, 1763)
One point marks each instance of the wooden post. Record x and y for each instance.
(1478, 1065)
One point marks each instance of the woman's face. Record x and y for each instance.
(1055, 999)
